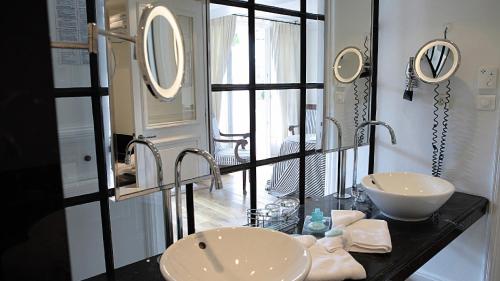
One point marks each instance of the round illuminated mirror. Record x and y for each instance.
(160, 51)
(348, 65)
(437, 61)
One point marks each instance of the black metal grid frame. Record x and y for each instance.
(252, 87)
(96, 92)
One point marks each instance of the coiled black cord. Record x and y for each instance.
(435, 148)
(364, 111)
(439, 145)
(356, 104)
(444, 132)
(366, 89)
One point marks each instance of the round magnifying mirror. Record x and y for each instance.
(437, 61)
(348, 65)
(160, 51)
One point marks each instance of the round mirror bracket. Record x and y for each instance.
(338, 59)
(420, 56)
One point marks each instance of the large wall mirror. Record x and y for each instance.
(348, 90)
(349, 75)
(157, 95)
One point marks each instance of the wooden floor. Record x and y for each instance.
(226, 206)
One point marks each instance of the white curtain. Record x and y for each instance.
(222, 32)
(284, 41)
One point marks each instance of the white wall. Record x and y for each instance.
(404, 26)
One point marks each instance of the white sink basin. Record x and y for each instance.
(238, 253)
(407, 196)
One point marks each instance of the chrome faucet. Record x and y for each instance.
(355, 191)
(156, 153)
(341, 170)
(178, 200)
(166, 193)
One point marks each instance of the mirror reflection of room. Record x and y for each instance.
(250, 140)
(277, 62)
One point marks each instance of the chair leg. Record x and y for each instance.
(244, 182)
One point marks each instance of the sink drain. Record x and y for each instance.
(202, 245)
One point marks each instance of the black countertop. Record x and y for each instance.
(413, 244)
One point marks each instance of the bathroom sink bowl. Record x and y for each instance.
(238, 253)
(407, 196)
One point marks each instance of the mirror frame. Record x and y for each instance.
(422, 52)
(359, 54)
(149, 13)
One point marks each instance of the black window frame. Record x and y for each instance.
(96, 92)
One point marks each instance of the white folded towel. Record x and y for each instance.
(368, 236)
(336, 266)
(331, 266)
(346, 217)
(331, 244)
(306, 240)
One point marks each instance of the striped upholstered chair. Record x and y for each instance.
(311, 115)
(230, 150)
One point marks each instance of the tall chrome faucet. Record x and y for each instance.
(166, 193)
(156, 153)
(341, 170)
(178, 200)
(355, 191)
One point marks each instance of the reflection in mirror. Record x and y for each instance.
(160, 128)
(162, 52)
(437, 61)
(347, 87)
(348, 78)
(348, 65)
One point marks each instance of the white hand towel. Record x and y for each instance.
(368, 236)
(330, 266)
(306, 240)
(346, 217)
(336, 266)
(331, 244)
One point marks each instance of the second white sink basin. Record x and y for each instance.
(407, 196)
(238, 253)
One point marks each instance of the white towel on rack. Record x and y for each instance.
(368, 236)
(346, 217)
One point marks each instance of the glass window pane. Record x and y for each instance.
(137, 228)
(277, 129)
(229, 45)
(314, 117)
(70, 68)
(277, 182)
(316, 6)
(277, 48)
(230, 119)
(315, 176)
(84, 229)
(223, 207)
(68, 23)
(77, 146)
(315, 51)
(285, 4)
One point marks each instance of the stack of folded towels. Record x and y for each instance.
(330, 258)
